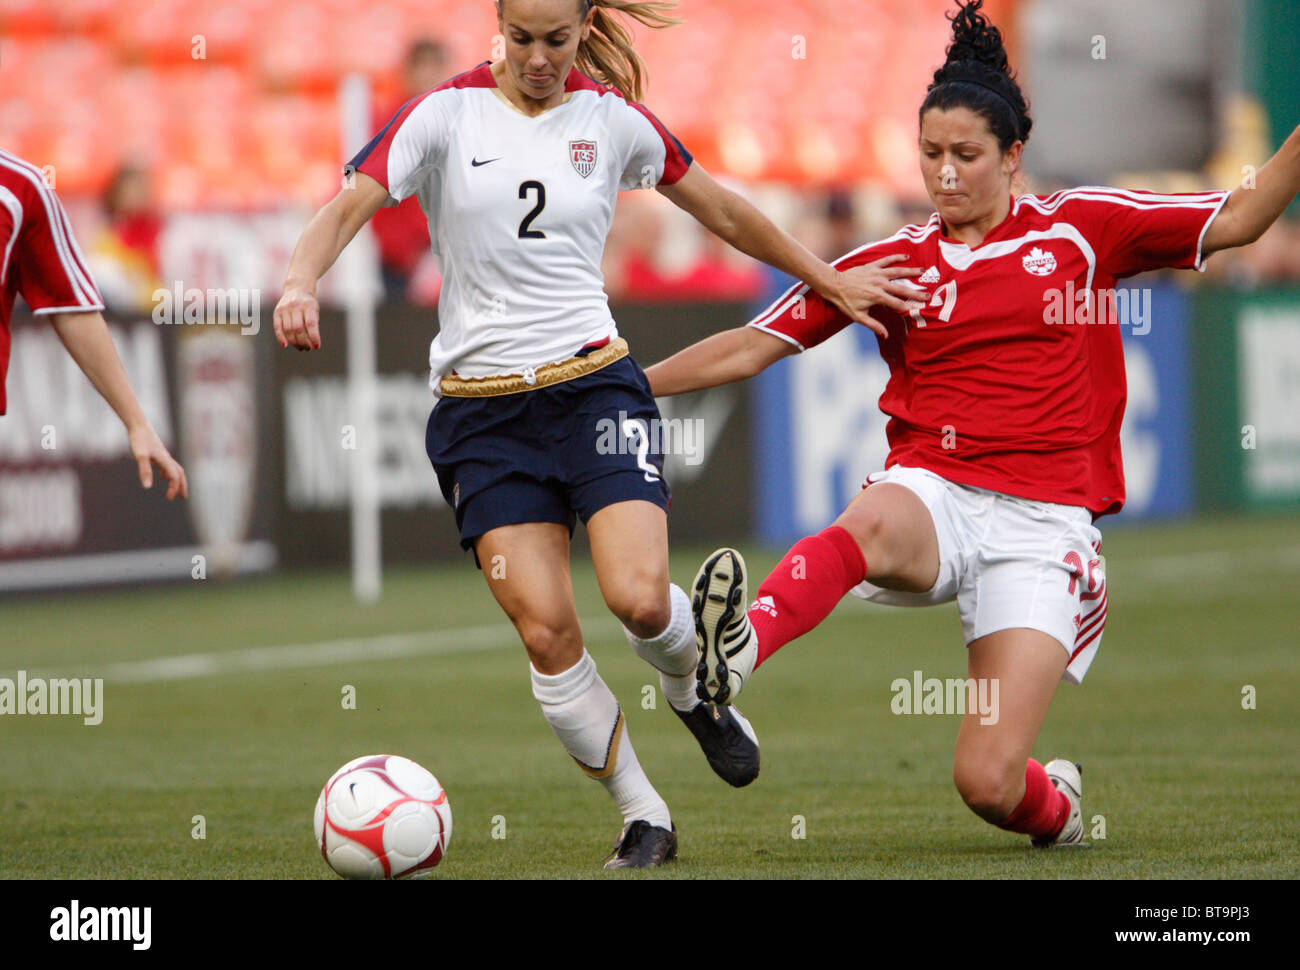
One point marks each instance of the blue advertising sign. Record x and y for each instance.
(1156, 437)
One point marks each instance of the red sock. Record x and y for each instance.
(1043, 811)
(801, 591)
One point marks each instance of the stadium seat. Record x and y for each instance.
(255, 118)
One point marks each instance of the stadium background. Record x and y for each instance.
(192, 139)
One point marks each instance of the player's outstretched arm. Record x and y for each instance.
(739, 223)
(732, 355)
(297, 315)
(87, 339)
(1249, 212)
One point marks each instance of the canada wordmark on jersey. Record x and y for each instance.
(519, 209)
(993, 383)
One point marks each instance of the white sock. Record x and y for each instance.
(585, 716)
(673, 652)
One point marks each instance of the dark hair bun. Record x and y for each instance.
(974, 38)
(977, 75)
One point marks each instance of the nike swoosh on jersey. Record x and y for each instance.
(476, 163)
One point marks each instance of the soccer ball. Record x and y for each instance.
(382, 817)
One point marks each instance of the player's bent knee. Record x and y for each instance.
(639, 598)
(990, 791)
(552, 648)
(645, 613)
(868, 526)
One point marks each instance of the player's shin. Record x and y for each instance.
(804, 587)
(673, 652)
(585, 716)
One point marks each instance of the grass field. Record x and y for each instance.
(225, 701)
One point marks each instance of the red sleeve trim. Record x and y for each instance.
(676, 158)
(373, 159)
(577, 81)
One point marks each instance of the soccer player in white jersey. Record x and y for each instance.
(40, 259)
(517, 165)
(1004, 425)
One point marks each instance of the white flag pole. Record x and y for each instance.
(360, 280)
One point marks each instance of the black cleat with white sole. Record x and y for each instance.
(643, 846)
(727, 739)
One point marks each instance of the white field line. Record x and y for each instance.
(1209, 566)
(391, 646)
(1128, 575)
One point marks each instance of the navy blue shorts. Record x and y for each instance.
(553, 454)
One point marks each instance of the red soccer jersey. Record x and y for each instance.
(38, 256)
(1008, 379)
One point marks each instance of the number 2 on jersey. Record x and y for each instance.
(636, 430)
(524, 189)
(945, 296)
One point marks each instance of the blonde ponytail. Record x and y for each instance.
(608, 55)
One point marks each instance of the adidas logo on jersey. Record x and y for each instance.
(766, 604)
(1039, 263)
(931, 275)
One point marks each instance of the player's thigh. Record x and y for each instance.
(629, 549)
(894, 529)
(1016, 671)
(527, 568)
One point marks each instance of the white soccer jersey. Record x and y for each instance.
(519, 209)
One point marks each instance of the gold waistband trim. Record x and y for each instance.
(531, 380)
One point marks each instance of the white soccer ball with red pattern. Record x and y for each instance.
(382, 817)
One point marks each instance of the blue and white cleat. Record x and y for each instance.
(726, 638)
(1068, 778)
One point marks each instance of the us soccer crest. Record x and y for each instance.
(583, 156)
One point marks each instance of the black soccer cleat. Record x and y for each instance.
(643, 846)
(727, 739)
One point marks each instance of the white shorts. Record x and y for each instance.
(1009, 563)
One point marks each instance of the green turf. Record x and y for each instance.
(1190, 784)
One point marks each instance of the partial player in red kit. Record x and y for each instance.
(40, 259)
(1005, 398)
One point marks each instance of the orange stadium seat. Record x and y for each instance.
(371, 40)
(156, 31)
(91, 17)
(808, 91)
(21, 19)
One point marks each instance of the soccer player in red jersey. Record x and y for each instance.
(40, 259)
(1004, 423)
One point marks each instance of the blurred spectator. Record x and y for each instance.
(842, 233)
(830, 228)
(403, 231)
(717, 274)
(123, 256)
(1274, 259)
